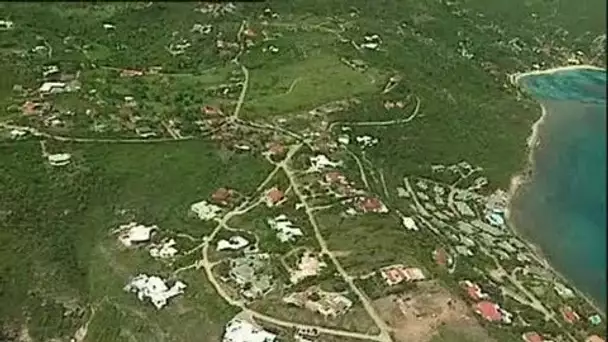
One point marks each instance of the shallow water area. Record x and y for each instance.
(563, 208)
(581, 85)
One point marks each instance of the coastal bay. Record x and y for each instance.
(562, 206)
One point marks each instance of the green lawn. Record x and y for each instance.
(316, 80)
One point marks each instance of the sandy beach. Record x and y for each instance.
(516, 77)
(522, 177)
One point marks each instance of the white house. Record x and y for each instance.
(52, 87)
(234, 243)
(135, 233)
(205, 211)
(409, 223)
(17, 133)
(154, 287)
(164, 251)
(239, 330)
(320, 162)
(59, 159)
(286, 231)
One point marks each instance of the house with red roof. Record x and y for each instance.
(210, 110)
(488, 310)
(371, 205)
(442, 258)
(532, 336)
(395, 274)
(569, 314)
(131, 73)
(392, 275)
(274, 196)
(276, 148)
(473, 290)
(222, 196)
(30, 108)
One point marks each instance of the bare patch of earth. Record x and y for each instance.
(417, 315)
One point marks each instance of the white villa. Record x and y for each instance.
(133, 232)
(59, 159)
(165, 250)
(286, 231)
(204, 210)
(234, 243)
(239, 330)
(154, 287)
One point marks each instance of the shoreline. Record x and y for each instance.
(516, 77)
(522, 177)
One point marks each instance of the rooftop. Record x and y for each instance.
(488, 310)
(242, 331)
(133, 232)
(221, 195)
(154, 287)
(205, 211)
(372, 204)
(532, 336)
(274, 196)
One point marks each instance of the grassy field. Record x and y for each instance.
(57, 224)
(314, 81)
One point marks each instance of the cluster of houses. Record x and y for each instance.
(476, 224)
(155, 288)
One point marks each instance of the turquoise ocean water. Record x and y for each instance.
(563, 208)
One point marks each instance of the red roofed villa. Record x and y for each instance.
(569, 315)
(532, 336)
(222, 195)
(395, 274)
(372, 205)
(130, 73)
(489, 311)
(275, 148)
(474, 291)
(274, 196)
(210, 110)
